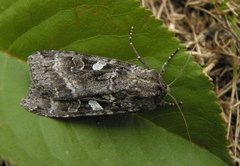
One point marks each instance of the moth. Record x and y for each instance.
(70, 84)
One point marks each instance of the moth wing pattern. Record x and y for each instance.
(70, 84)
(45, 105)
(68, 75)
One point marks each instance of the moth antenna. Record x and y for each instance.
(164, 66)
(184, 119)
(179, 74)
(134, 49)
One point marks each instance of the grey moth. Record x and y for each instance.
(71, 84)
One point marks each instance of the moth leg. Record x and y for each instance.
(164, 66)
(166, 103)
(135, 50)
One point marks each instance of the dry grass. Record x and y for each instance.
(214, 41)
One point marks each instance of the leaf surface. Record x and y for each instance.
(101, 28)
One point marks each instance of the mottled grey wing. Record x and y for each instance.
(69, 75)
(47, 106)
(69, 84)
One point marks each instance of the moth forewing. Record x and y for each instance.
(111, 85)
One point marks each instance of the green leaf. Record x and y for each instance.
(28, 139)
(101, 28)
